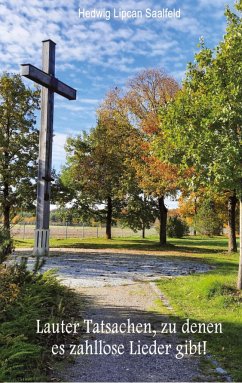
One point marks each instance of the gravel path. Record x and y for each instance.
(116, 287)
(103, 268)
(116, 304)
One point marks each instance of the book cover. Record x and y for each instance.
(120, 186)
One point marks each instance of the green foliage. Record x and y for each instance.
(18, 146)
(24, 298)
(18, 358)
(202, 126)
(96, 162)
(140, 212)
(97, 176)
(67, 215)
(6, 244)
(176, 227)
(208, 222)
(109, 168)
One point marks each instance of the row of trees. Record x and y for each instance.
(114, 166)
(123, 170)
(136, 209)
(206, 122)
(155, 139)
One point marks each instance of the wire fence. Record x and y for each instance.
(26, 231)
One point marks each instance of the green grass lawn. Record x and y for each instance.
(210, 297)
(205, 244)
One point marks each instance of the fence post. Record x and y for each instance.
(83, 230)
(66, 228)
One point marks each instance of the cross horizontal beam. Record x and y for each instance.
(48, 81)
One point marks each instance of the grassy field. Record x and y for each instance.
(210, 297)
(151, 243)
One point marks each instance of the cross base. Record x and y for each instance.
(41, 243)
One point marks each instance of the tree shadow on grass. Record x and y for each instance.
(211, 242)
(140, 245)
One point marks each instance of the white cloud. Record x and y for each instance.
(209, 3)
(70, 106)
(59, 154)
(90, 101)
(26, 22)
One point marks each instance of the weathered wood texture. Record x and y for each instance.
(40, 77)
(50, 85)
(45, 140)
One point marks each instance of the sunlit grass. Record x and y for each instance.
(212, 297)
(149, 243)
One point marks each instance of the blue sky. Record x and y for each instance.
(96, 55)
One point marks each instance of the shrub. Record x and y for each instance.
(24, 298)
(6, 244)
(176, 227)
(208, 221)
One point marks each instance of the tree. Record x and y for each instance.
(18, 146)
(96, 162)
(157, 179)
(208, 221)
(188, 205)
(176, 227)
(64, 215)
(191, 204)
(139, 212)
(206, 118)
(146, 93)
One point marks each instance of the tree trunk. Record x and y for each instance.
(143, 221)
(163, 220)
(239, 284)
(232, 245)
(7, 249)
(143, 230)
(195, 216)
(6, 209)
(109, 218)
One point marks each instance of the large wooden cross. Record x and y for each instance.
(50, 85)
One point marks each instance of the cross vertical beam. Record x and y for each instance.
(50, 85)
(41, 246)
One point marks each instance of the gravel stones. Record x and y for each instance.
(99, 269)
